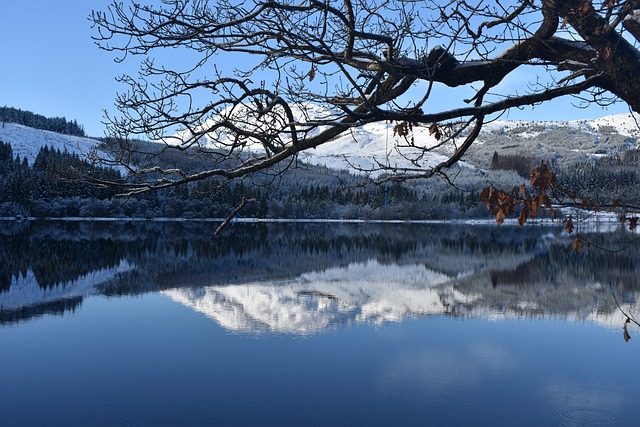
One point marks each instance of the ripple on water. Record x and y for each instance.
(310, 409)
(589, 416)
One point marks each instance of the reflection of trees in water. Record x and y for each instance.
(557, 281)
(60, 252)
(54, 262)
(249, 252)
(618, 269)
(503, 265)
(559, 264)
(28, 312)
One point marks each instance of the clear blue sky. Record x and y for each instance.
(50, 65)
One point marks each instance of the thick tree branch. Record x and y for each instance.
(363, 61)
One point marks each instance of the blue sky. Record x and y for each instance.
(50, 65)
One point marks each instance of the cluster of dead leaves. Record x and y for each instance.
(633, 221)
(404, 129)
(435, 131)
(579, 241)
(536, 201)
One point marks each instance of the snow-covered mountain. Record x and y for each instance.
(566, 141)
(376, 144)
(26, 142)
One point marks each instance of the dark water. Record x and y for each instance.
(315, 324)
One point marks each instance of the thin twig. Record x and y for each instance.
(629, 317)
(226, 222)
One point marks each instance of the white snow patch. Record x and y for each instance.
(27, 142)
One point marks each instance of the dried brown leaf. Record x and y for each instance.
(402, 129)
(568, 225)
(627, 337)
(522, 219)
(434, 130)
(577, 244)
(486, 193)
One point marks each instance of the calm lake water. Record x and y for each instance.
(315, 324)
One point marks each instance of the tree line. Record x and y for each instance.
(37, 121)
(33, 189)
(59, 184)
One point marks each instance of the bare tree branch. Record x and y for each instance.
(314, 70)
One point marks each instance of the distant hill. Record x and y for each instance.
(375, 143)
(571, 141)
(567, 141)
(594, 159)
(27, 141)
(54, 124)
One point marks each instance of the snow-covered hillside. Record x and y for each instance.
(366, 147)
(565, 141)
(26, 141)
(372, 145)
(376, 144)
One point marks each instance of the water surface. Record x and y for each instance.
(314, 324)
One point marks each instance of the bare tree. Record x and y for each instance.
(248, 100)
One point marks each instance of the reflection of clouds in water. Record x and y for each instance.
(437, 374)
(583, 401)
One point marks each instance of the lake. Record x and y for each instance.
(150, 323)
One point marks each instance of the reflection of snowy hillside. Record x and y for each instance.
(374, 293)
(306, 278)
(312, 302)
(25, 290)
